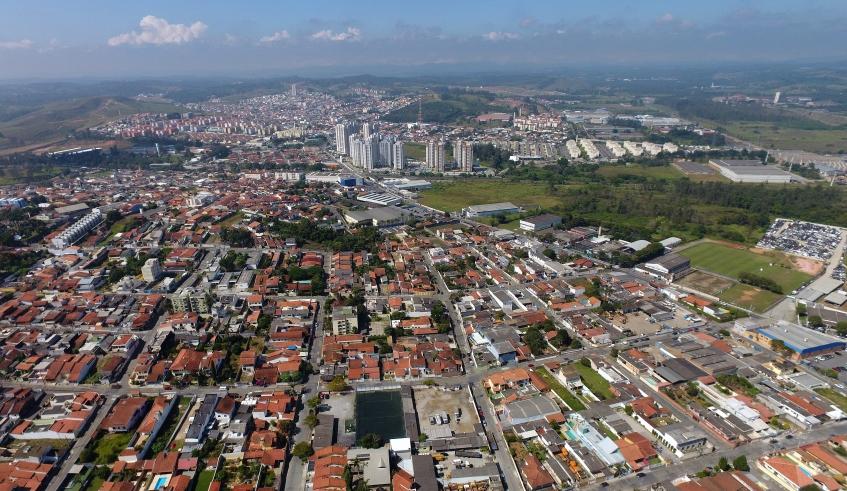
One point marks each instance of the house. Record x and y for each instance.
(125, 414)
(535, 475)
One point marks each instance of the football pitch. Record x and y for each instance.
(729, 261)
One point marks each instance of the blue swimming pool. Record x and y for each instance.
(161, 482)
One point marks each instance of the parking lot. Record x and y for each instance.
(801, 238)
(450, 463)
(639, 323)
(832, 361)
(428, 402)
(341, 407)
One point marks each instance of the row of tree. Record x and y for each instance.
(759, 282)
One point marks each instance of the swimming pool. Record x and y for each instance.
(570, 434)
(161, 482)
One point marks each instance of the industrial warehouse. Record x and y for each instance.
(751, 171)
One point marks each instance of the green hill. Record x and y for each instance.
(55, 121)
(446, 109)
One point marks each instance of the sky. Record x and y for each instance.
(51, 39)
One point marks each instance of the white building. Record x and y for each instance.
(386, 151)
(435, 155)
(203, 198)
(342, 137)
(463, 153)
(151, 271)
(398, 157)
(72, 234)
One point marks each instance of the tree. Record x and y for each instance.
(740, 463)
(628, 410)
(422, 437)
(337, 385)
(585, 362)
(692, 390)
(723, 464)
(815, 320)
(311, 420)
(801, 309)
(303, 450)
(724, 332)
(313, 402)
(429, 382)
(779, 346)
(535, 340)
(810, 487)
(841, 328)
(614, 353)
(550, 253)
(371, 440)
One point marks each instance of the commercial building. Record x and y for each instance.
(666, 266)
(531, 409)
(377, 217)
(751, 171)
(203, 198)
(342, 137)
(329, 177)
(407, 184)
(344, 321)
(490, 210)
(151, 271)
(540, 222)
(379, 199)
(806, 343)
(435, 155)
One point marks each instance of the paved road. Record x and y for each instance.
(80, 444)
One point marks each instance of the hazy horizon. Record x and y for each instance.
(99, 40)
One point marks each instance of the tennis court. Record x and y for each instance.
(380, 412)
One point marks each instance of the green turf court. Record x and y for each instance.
(729, 261)
(380, 412)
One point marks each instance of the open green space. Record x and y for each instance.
(595, 383)
(810, 135)
(836, 397)
(730, 261)
(105, 449)
(204, 480)
(55, 121)
(571, 400)
(749, 297)
(380, 412)
(95, 484)
(659, 172)
(229, 222)
(415, 151)
(455, 195)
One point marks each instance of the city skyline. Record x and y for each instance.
(163, 39)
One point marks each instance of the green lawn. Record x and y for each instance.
(748, 296)
(595, 383)
(204, 480)
(608, 432)
(571, 400)
(729, 261)
(836, 397)
(662, 172)
(95, 484)
(415, 151)
(229, 222)
(105, 450)
(453, 196)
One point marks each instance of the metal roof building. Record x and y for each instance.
(805, 342)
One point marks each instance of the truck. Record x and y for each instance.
(439, 457)
(444, 417)
(468, 455)
(458, 412)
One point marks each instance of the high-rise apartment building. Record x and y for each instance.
(364, 153)
(369, 129)
(342, 137)
(398, 156)
(386, 156)
(435, 155)
(463, 153)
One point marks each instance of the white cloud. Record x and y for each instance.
(22, 44)
(716, 34)
(499, 36)
(277, 36)
(665, 19)
(159, 31)
(528, 22)
(352, 34)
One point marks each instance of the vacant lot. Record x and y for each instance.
(659, 172)
(571, 400)
(749, 297)
(705, 282)
(435, 400)
(730, 261)
(593, 381)
(455, 195)
(836, 397)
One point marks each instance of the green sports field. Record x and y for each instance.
(729, 261)
(455, 195)
(749, 297)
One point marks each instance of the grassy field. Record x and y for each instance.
(729, 261)
(105, 450)
(827, 139)
(663, 172)
(749, 297)
(571, 400)
(415, 151)
(836, 397)
(204, 480)
(595, 383)
(229, 222)
(453, 196)
(55, 121)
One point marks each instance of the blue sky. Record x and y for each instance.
(159, 38)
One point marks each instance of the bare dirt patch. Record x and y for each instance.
(705, 282)
(806, 265)
(435, 400)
